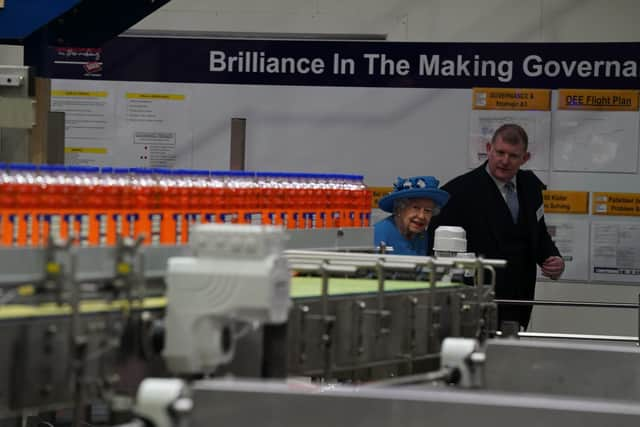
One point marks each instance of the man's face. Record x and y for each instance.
(505, 159)
(415, 216)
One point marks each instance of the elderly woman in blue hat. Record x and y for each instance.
(412, 204)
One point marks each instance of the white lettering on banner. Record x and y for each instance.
(461, 67)
(259, 62)
(380, 64)
(458, 66)
(535, 66)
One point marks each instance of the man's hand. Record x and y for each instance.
(552, 267)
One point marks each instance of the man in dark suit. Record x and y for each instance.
(501, 209)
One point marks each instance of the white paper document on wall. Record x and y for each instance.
(615, 251)
(537, 124)
(571, 237)
(89, 109)
(595, 141)
(153, 126)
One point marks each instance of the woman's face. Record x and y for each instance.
(414, 217)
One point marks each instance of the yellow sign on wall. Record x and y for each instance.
(378, 193)
(90, 150)
(511, 99)
(603, 100)
(84, 93)
(568, 202)
(616, 204)
(165, 96)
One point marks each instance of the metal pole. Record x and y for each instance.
(237, 152)
(587, 337)
(324, 297)
(431, 304)
(568, 304)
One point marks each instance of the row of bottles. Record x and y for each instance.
(94, 206)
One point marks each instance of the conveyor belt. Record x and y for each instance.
(309, 287)
(301, 287)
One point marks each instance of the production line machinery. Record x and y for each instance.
(378, 338)
(79, 324)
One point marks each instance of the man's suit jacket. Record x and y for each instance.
(477, 205)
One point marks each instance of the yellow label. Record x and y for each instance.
(98, 94)
(603, 100)
(88, 150)
(569, 202)
(26, 290)
(123, 268)
(378, 193)
(53, 268)
(616, 204)
(166, 96)
(511, 99)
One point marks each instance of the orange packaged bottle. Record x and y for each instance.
(123, 203)
(7, 205)
(334, 195)
(53, 202)
(164, 185)
(25, 191)
(111, 193)
(141, 216)
(198, 183)
(180, 193)
(214, 202)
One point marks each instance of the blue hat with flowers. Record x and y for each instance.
(416, 187)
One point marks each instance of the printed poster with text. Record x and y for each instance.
(529, 108)
(153, 125)
(571, 237)
(615, 252)
(89, 109)
(596, 131)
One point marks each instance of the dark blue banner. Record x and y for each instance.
(349, 63)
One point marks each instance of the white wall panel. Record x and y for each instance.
(11, 55)
(481, 21)
(426, 20)
(591, 21)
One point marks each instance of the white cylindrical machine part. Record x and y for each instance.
(457, 353)
(450, 239)
(154, 398)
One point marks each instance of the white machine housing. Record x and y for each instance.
(451, 242)
(238, 274)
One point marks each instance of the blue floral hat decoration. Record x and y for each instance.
(416, 187)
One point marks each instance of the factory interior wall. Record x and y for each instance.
(435, 21)
(445, 21)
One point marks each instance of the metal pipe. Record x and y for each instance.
(568, 303)
(295, 254)
(439, 375)
(491, 292)
(380, 295)
(324, 297)
(431, 303)
(479, 294)
(587, 337)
